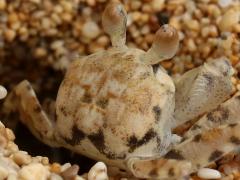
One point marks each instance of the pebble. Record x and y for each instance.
(79, 178)
(3, 92)
(12, 147)
(157, 5)
(45, 161)
(40, 52)
(98, 172)
(10, 134)
(135, 5)
(8, 165)
(21, 158)
(34, 171)
(90, 30)
(56, 44)
(238, 87)
(2, 4)
(54, 176)
(65, 166)
(224, 3)
(70, 172)
(18, 164)
(229, 19)
(207, 173)
(3, 173)
(55, 168)
(10, 35)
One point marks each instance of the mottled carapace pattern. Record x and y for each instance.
(106, 98)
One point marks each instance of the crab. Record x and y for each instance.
(120, 106)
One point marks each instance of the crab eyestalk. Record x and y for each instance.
(165, 45)
(114, 21)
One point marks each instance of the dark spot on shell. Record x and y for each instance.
(227, 63)
(157, 112)
(119, 55)
(28, 86)
(76, 137)
(153, 173)
(232, 125)
(159, 143)
(197, 138)
(111, 155)
(102, 103)
(215, 155)
(195, 127)
(144, 75)
(122, 170)
(209, 79)
(133, 142)
(183, 139)
(225, 73)
(219, 115)
(238, 97)
(171, 172)
(155, 68)
(37, 109)
(98, 141)
(235, 140)
(128, 57)
(174, 154)
(224, 36)
(86, 98)
(63, 110)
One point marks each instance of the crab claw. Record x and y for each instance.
(165, 45)
(114, 21)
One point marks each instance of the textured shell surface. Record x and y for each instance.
(111, 106)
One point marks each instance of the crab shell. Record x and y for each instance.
(111, 107)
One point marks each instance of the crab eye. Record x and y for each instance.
(164, 46)
(114, 21)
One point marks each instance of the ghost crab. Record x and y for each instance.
(119, 107)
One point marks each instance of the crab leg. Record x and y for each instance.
(200, 150)
(24, 100)
(202, 89)
(208, 146)
(159, 168)
(227, 112)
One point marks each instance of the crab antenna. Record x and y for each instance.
(114, 21)
(165, 45)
